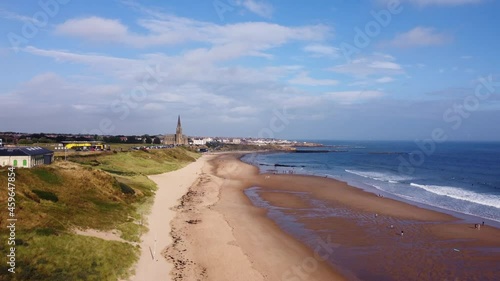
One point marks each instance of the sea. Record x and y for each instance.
(461, 178)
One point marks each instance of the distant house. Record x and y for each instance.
(25, 157)
(199, 141)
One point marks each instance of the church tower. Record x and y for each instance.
(178, 132)
(178, 138)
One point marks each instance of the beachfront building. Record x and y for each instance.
(178, 138)
(25, 157)
(82, 145)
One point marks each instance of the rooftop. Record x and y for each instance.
(23, 151)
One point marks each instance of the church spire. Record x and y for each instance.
(178, 131)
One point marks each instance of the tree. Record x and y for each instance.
(25, 141)
(213, 144)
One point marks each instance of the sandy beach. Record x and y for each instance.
(218, 233)
(171, 186)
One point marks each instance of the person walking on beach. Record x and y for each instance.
(402, 232)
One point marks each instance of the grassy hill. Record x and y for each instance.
(104, 192)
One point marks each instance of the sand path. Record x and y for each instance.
(171, 186)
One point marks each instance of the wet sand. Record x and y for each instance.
(237, 224)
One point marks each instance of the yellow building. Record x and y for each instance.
(86, 145)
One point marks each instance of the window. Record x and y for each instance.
(25, 163)
(15, 163)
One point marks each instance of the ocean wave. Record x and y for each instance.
(390, 178)
(491, 200)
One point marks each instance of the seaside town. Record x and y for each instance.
(250, 140)
(28, 150)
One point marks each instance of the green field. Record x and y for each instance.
(107, 191)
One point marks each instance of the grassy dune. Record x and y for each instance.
(103, 192)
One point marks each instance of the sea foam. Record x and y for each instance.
(491, 200)
(386, 177)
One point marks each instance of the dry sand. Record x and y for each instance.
(171, 186)
(113, 235)
(218, 234)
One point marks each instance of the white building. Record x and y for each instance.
(25, 157)
(199, 141)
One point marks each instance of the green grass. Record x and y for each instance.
(140, 162)
(71, 257)
(46, 175)
(131, 231)
(101, 191)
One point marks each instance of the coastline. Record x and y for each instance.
(220, 234)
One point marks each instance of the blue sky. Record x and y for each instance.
(369, 70)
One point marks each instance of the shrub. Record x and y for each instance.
(46, 231)
(126, 189)
(46, 195)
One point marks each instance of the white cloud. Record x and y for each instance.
(304, 79)
(419, 37)
(17, 17)
(377, 63)
(153, 107)
(350, 97)
(260, 8)
(196, 81)
(249, 37)
(384, 65)
(385, 79)
(233, 119)
(95, 29)
(109, 66)
(244, 110)
(172, 70)
(49, 91)
(321, 50)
